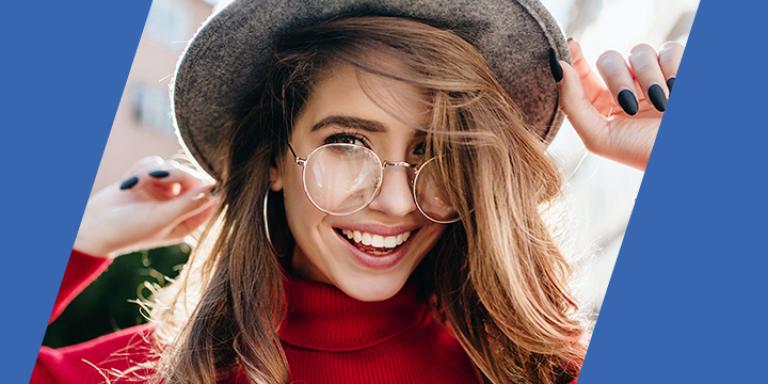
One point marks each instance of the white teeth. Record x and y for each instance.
(375, 240)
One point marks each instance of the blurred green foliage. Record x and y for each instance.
(107, 304)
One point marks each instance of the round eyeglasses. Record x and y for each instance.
(341, 179)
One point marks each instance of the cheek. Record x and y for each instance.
(313, 257)
(432, 235)
(300, 212)
(304, 220)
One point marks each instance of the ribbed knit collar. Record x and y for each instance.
(322, 317)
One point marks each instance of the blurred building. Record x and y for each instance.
(143, 125)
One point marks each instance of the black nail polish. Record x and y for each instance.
(670, 83)
(657, 97)
(554, 66)
(129, 183)
(569, 38)
(628, 102)
(159, 174)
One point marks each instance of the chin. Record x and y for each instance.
(369, 288)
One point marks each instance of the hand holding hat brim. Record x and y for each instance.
(599, 112)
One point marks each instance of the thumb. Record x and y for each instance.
(188, 202)
(189, 224)
(585, 118)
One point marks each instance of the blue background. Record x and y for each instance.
(686, 301)
(62, 70)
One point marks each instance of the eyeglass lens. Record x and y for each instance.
(341, 179)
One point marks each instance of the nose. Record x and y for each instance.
(395, 197)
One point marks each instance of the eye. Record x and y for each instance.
(420, 149)
(346, 138)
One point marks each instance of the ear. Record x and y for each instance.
(275, 178)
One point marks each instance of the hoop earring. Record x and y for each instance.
(265, 214)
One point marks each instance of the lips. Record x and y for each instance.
(375, 250)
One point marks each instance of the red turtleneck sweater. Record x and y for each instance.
(327, 336)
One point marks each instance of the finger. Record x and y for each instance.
(645, 64)
(188, 202)
(593, 87)
(670, 56)
(189, 224)
(172, 179)
(132, 178)
(161, 179)
(585, 118)
(615, 72)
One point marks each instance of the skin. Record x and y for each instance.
(321, 255)
(592, 108)
(162, 211)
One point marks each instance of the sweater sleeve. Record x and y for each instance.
(82, 269)
(112, 358)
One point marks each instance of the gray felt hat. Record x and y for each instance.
(227, 57)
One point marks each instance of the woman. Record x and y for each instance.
(376, 208)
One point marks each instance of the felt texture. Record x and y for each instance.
(229, 53)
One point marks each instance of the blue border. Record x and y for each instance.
(62, 71)
(687, 300)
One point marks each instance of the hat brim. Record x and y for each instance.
(227, 55)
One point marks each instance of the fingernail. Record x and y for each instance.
(214, 190)
(159, 174)
(670, 83)
(569, 38)
(129, 183)
(554, 65)
(628, 102)
(657, 97)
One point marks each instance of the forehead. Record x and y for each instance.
(344, 90)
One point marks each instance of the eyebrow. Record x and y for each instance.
(350, 122)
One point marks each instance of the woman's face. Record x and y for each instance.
(340, 111)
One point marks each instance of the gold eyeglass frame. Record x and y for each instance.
(383, 164)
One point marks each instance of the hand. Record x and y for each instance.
(158, 203)
(619, 121)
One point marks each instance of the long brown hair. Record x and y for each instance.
(497, 278)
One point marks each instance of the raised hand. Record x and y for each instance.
(619, 118)
(157, 203)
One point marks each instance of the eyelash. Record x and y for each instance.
(342, 137)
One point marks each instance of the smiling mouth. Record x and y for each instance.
(373, 244)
